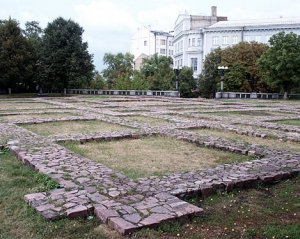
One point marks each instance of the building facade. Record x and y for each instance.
(189, 41)
(146, 42)
(197, 36)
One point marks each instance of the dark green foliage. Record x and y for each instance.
(16, 56)
(157, 71)
(33, 33)
(65, 61)
(241, 60)
(209, 78)
(280, 64)
(119, 67)
(187, 83)
(97, 82)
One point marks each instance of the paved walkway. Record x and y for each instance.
(92, 188)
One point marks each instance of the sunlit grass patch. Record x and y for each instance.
(147, 120)
(11, 104)
(72, 127)
(36, 116)
(153, 156)
(249, 114)
(289, 122)
(271, 142)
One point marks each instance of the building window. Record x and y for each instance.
(199, 41)
(162, 42)
(175, 64)
(225, 40)
(193, 41)
(235, 39)
(180, 62)
(215, 40)
(189, 42)
(181, 45)
(170, 52)
(194, 63)
(145, 43)
(170, 43)
(247, 38)
(162, 51)
(257, 38)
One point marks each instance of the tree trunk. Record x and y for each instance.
(9, 91)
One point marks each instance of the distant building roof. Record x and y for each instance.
(256, 22)
(161, 33)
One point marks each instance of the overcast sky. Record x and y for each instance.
(109, 24)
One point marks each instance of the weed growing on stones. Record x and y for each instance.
(46, 182)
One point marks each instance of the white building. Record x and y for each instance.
(146, 42)
(197, 36)
(189, 39)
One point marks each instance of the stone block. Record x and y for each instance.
(206, 190)
(122, 226)
(105, 214)
(77, 212)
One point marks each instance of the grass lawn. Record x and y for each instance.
(271, 142)
(147, 120)
(249, 114)
(72, 127)
(19, 104)
(290, 122)
(36, 116)
(153, 156)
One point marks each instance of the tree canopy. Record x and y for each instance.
(187, 83)
(241, 59)
(209, 78)
(280, 64)
(65, 60)
(118, 66)
(157, 71)
(16, 56)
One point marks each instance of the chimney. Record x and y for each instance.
(213, 11)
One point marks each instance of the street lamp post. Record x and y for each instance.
(177, 72)
(222, 69)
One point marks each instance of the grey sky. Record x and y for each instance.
(109, 24)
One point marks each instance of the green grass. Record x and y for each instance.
(289, 122)
(21, 221)
(147, 120)
(153, 156)
(72, 127)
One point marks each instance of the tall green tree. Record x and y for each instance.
(241, 59)
(136, 82)
(209, 78)
(118, 66)
(33, 32)
(65, 60)
(16, 56)
(280, 64)
(97, 82)
(187, 83)
(157, 71)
